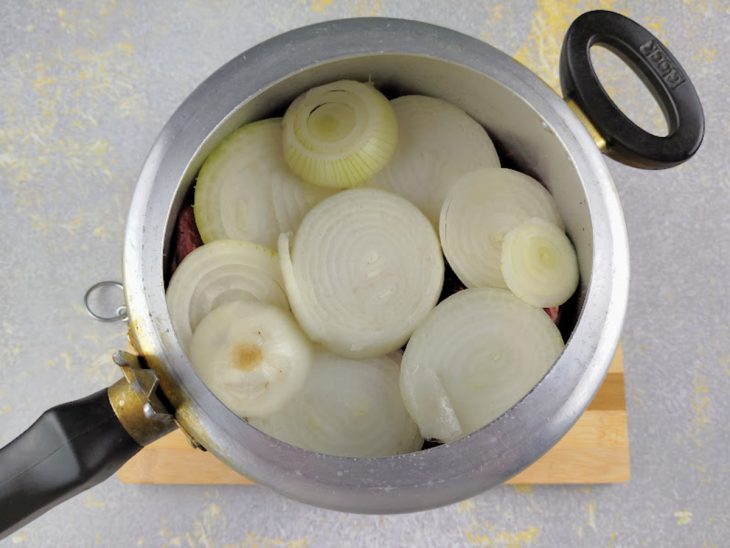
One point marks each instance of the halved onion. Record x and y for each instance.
(245, 191)
(253, 356)
(339, 134)
(364, 269)
(477, 214)
(539, 263)
(348, 408)
(476, 355)
(437, 144)
(217, 273)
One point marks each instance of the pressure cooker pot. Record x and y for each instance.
(558, 140)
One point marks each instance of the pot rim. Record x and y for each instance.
(402, 483)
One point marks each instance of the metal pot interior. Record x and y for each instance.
(534, 132)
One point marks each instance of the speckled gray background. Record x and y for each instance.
(84, 89)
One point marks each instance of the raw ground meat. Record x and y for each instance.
(554, 313)
(186, 237)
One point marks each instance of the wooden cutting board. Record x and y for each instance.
(595, 450)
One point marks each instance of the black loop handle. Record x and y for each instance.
(660, 72)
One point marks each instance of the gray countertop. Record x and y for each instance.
(85, 88)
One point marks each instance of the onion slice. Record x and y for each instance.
(364, 269)
(437, 144)
(339, 134)
(348, 408)
(245, 191)
(292, 201)
(217, 273)
(476, 355)
(539, 264)
(252, 356)
(479, 212)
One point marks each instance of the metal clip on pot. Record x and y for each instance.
(120, 313)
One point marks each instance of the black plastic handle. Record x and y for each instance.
(67, 450)
(660, 72)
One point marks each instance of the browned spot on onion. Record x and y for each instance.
(247, 357)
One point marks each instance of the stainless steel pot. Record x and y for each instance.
(543, 134)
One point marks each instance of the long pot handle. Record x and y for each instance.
(658, 69)
(70, 448)
(79, 444)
